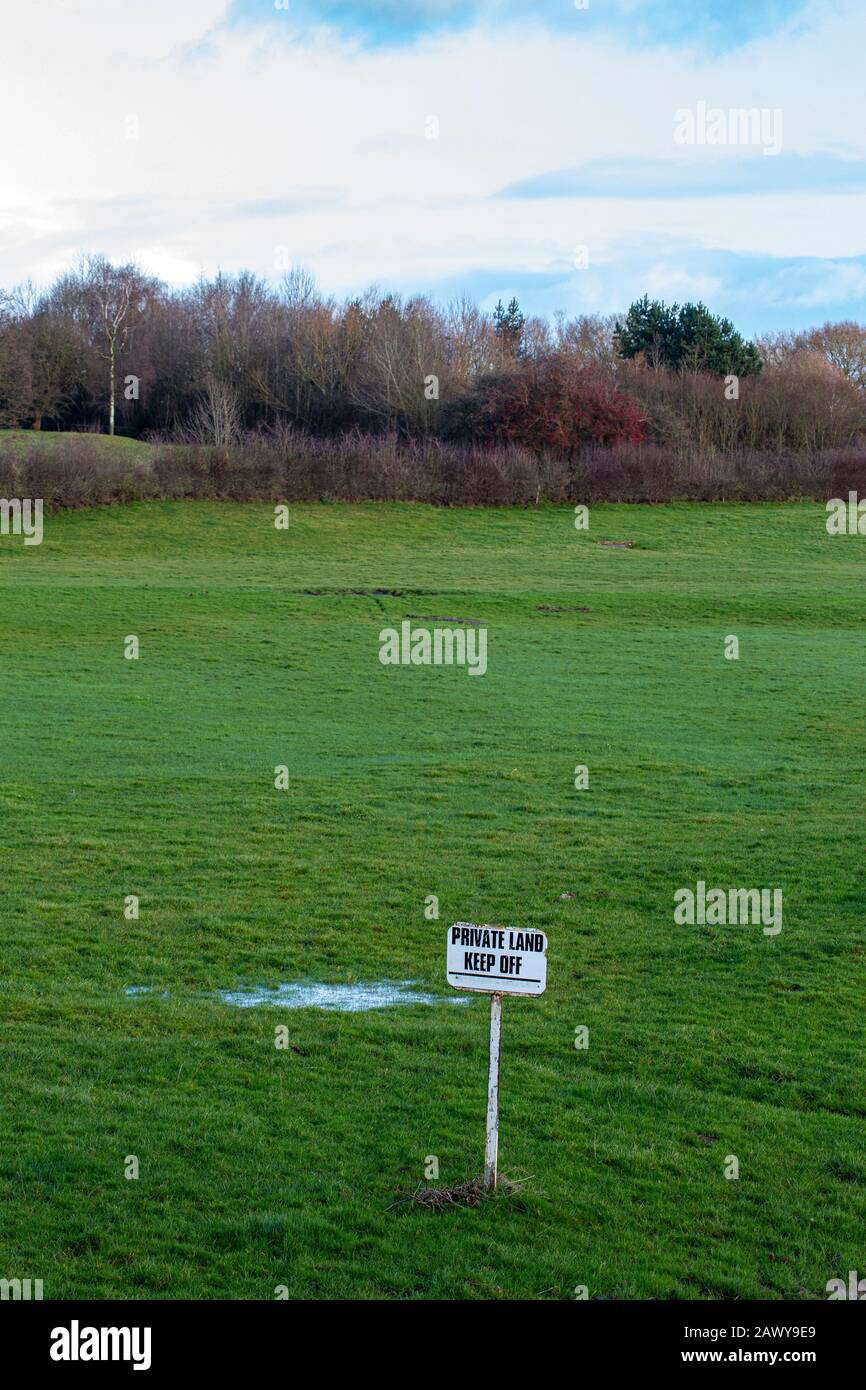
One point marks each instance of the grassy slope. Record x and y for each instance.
(52, 441)
(261, 1167)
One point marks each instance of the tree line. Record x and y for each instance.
(108, 348)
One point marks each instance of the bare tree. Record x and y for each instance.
(217, 417)
(16, 382)
(116, 294)
(471, 345)
(843, 345)
(401, 353)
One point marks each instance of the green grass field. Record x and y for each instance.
(262, 1167)
(53, 442)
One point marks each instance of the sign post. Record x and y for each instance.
(495, 961)
(491, 1148)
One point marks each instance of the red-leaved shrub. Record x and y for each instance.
(550, 404)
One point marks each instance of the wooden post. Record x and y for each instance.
(491, 1151)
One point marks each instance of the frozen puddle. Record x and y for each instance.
(346, 999)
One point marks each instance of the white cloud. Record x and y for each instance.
(162, 263)
(122, 132)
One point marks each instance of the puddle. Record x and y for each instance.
(347, 999)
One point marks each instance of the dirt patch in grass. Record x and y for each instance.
(466, 1194)
(438, 618)
(366, 593)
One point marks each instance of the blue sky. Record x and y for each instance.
(573, 157)
(713, 25)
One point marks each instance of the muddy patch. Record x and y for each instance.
(365, 593)
(438, 618)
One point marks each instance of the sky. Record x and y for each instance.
(573, 153)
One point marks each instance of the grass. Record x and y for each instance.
(52, 443)
(262, 1167)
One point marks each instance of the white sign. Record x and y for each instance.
(496, 960)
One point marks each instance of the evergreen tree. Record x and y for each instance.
(685, 338)
(508, 325)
